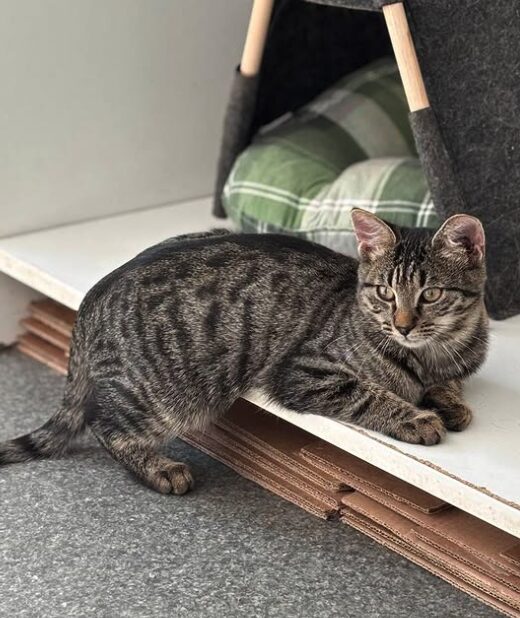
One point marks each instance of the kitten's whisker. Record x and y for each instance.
(336, 340)
(452, 357)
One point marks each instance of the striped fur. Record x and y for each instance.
(170, 340)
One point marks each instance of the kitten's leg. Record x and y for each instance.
(448, 401)
(156, 471)
(317, 387)
(132, 435)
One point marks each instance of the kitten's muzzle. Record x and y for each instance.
(404, 321)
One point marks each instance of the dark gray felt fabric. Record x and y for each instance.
(469, 55)
(501, 236)
(442, 179)
(80, 538)
(237, 132)
(364, 5)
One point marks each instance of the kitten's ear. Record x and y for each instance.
(374, 236)
(462, 234)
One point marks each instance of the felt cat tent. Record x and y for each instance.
(460, 67)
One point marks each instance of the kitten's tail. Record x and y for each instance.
(53, 438)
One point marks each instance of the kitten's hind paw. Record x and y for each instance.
(423, 427)
(174, 478)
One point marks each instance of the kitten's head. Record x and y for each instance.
(420, 286)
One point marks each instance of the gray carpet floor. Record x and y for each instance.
(80, 538)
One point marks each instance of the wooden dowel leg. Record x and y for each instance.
(406, 56)
(256, 35)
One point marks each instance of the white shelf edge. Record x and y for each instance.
(35, 277)
(38, 280)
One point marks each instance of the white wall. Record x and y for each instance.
(110, 105)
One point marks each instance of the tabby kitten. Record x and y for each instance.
(167, 342)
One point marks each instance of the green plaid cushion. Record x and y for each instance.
(352, 146)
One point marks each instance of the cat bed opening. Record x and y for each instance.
(465, 128)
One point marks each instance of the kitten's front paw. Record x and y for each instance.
(422, 427)
(457, 418)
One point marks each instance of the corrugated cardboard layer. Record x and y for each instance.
(367, 478)
(475, 572)
(52, 314)
(44, 352)
(272, 436)
(254, 471)
(467, 532)
(316, 487)
(47, 333)
(388, 539)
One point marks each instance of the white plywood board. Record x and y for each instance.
(477, 470)
(65, 262)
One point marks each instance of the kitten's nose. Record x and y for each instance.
(404, 321)
(404, 330)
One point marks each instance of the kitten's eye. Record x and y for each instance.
(385, 292)
(431, 295)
